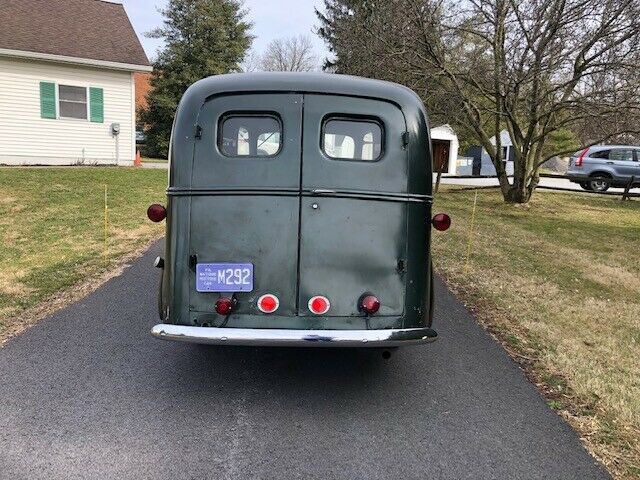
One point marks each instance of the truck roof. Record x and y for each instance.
(304, 82)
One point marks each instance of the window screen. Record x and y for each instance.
(250, 136)
(72, 102)
(353, 139)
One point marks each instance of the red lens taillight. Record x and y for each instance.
(441, 222)
(369, 304)
(156, 212)
(224, 305)
(319, 305)
(580, 159)
(268, 303)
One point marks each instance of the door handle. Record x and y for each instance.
(609, 163)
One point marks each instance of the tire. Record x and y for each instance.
(599, 184)
(585, 185)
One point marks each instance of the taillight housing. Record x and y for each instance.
(268, 303)
(580, 159)
(156, 212)
(224, 305)
(319, 305)
(441, 222)
(369, 304)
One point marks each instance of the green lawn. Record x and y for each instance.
(52, 229)
(558, 282)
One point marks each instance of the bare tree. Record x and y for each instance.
(537, 68)
(292, 54)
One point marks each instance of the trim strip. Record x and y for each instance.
(293, 192)
(90, 62)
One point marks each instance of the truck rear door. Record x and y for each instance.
(353, 230)
(245, 200)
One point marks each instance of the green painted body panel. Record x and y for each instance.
(311, 225)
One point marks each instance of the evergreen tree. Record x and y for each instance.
(202, 38)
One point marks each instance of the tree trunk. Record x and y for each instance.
(518, 193)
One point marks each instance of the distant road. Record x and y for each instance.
(544, 182)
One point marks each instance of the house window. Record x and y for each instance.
(72, 102)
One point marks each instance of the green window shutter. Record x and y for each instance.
(96, 104)
(47, 100)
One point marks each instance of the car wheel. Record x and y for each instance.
(600, 184)
(585, 185)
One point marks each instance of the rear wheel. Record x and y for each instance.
(585, 185)
(599, 184)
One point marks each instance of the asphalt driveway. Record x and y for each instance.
(88, 393)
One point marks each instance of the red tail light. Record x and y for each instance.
(580, 159)
(319, 305)
(224, 305)
(441, 222)
(156, 212)
(268, 303)
(369, 304)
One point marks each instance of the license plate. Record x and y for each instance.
(224, 277)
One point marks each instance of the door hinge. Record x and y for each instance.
(198, 132)
(405, 139)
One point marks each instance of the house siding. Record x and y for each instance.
(28, 139)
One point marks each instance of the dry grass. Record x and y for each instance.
(557, 281)
(52, 233)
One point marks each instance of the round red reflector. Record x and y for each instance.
(156, 212)
(441, 222)
(319, 304)
(268, 303)
(224, 305)
(370, 304)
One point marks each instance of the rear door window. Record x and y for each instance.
(250, 135)
(352, 139)
(600, 154)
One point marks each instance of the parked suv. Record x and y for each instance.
(599, 167)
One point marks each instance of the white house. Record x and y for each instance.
(67, 89)
(444, 147)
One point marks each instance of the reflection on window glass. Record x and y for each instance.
(621, 155)
(352, 139)
(249, 136)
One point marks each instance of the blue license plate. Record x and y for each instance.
(224, 277)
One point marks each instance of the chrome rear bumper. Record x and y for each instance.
(294, 338)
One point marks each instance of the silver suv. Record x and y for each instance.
(599, 167)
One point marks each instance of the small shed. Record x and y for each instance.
(444, 145)
(481, 161)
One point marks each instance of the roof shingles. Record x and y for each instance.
(88, 29)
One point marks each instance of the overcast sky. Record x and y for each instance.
(271, 19)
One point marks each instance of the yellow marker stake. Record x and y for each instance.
(473, 220)
(106, 228)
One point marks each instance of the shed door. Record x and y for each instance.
(353, 223)
(245, 207)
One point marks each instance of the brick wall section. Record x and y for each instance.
(143, 86)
